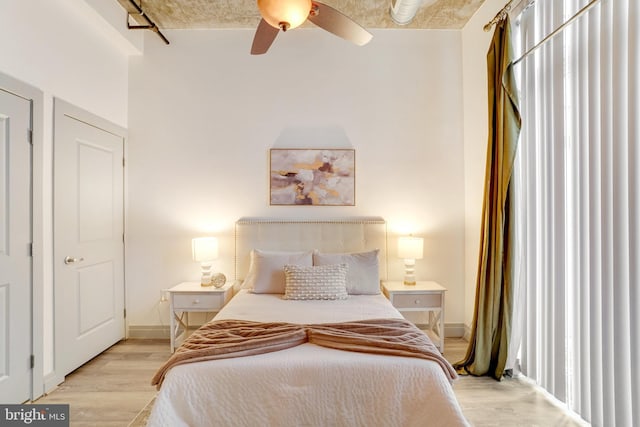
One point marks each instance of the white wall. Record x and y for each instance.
(66, 50)
(475, 44)
(59, 47)
(203, 114)
(400, 110)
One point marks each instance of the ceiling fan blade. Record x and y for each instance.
(339, 24)
(264, 37)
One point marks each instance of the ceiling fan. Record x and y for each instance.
(288, 14)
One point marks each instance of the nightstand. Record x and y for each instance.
(423, 296)
(192, 297)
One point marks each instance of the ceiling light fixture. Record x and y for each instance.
(284, 14)
(288, 14)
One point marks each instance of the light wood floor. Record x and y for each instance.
(113, 388)
(511, 402)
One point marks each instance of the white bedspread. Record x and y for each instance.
(307, 385)
(273, 308)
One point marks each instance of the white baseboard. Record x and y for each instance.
(51, 382)
(454, 330)
(467, 332)
(451, 330)
(149, 331)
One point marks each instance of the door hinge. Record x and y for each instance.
(30, 136)
(30, 249)
(124, 312)
(123, 162)
(32, 361)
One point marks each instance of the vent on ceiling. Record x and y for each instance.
(403, 11)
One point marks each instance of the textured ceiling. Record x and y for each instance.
(201, 14)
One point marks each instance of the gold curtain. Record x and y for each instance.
(491, 328)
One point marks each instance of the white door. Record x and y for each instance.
(15, 253)
(88, 236)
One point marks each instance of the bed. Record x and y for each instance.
(307, 382)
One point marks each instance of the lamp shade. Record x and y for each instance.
(204, 248)
(410, 247)
(287, 13)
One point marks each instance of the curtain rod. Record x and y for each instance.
(150, 24)
(556, 31)
(502, 13)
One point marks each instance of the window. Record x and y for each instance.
(578, 208)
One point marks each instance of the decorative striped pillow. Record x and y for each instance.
(324, 282)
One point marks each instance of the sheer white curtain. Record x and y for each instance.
(578, 180)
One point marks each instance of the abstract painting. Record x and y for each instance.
(313, 177)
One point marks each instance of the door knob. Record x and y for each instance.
(72, 260)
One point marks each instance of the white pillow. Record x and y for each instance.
(325, 282)
(266, 274)
(363, 277)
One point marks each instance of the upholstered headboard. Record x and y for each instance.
(355, 234)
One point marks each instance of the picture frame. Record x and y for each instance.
(312, 177)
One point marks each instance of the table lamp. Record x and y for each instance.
(205, 250)
(410, 248)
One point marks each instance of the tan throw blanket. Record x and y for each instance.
(221, 339)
